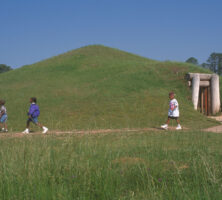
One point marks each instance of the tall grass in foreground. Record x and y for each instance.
(160, 165)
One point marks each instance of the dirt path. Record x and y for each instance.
(217, 118)
(84, 132)
(215, 129)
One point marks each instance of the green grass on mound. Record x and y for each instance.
(124, 166)
(99, 87)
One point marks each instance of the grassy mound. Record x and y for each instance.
(99, 87)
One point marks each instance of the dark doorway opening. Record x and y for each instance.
(204, 103)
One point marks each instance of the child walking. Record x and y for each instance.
(173, 112)
(3, 116)
(33, 114)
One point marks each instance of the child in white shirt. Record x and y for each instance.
(173, 112)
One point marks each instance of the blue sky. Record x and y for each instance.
(31, 31)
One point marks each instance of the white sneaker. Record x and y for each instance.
(26, 131)
(45, 129)
(165, 126)
(178, 127)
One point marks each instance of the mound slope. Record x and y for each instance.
(99, 87)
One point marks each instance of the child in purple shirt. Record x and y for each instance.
(33, 114)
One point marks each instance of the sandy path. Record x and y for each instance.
(84, 132)
(217, 118)
(214, 129)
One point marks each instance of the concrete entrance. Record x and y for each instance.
(205, 92)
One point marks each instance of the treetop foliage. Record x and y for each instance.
(192, 60)
(213, 63)
(4, 68)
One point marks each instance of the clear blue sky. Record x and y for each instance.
(31, 31)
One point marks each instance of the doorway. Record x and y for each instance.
(204, 103)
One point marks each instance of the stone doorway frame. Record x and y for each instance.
(210, 81)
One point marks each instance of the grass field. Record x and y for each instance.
(94, 88)
(145, 165)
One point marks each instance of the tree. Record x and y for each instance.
(205, 65)
(192, 60)
(4, 68)
(215, 63)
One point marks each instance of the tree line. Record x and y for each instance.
(4, 68)
(213, 63)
